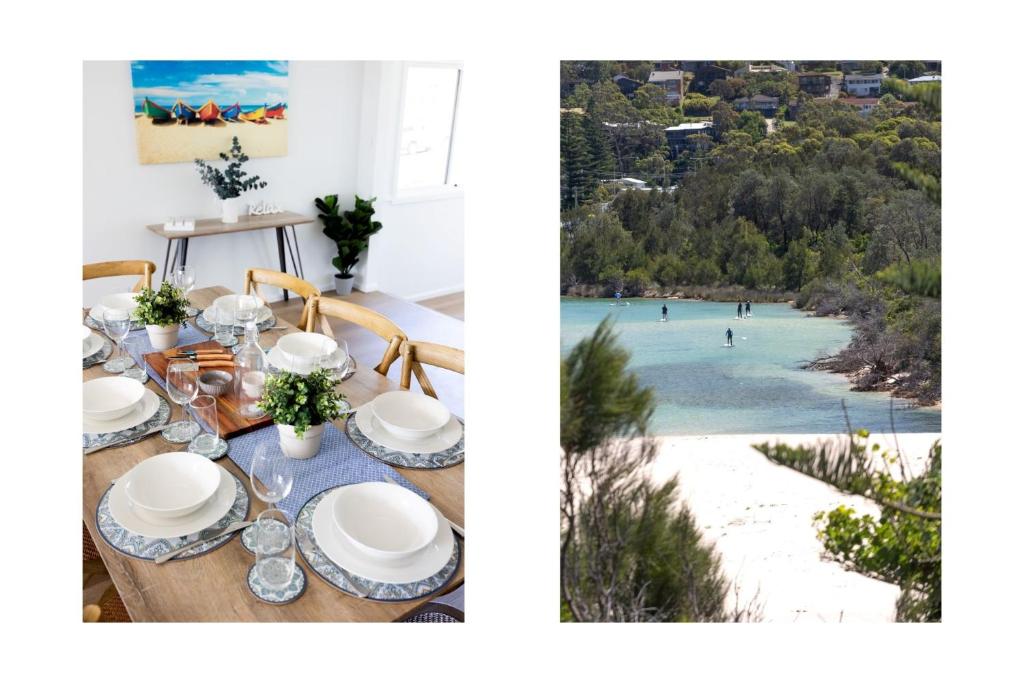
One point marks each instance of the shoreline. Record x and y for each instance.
(759, 517)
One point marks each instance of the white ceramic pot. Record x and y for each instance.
(301, 449)
(162, 337)
(343, 285)
(230, 208)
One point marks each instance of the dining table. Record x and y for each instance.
(212, 586)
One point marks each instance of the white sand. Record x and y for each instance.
(760, 517)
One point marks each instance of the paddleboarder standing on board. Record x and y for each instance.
(618, 297)
(748, 308)
(664, 312)
(739, 309)
(728, 336)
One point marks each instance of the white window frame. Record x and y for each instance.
(434, 192)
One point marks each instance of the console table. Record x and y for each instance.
(213, 226)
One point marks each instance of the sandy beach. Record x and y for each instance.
(760, 517)
(160, 143)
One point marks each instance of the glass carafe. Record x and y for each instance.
(250, 373)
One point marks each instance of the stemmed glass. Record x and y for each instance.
(182, 387)
(185, 280)
(275, 548)
(271, 473)
(116, 323)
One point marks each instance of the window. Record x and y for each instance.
(426, 147)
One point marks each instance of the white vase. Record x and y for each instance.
(162, 337)
(230, 208)
(301, 449)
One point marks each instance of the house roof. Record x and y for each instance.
(859, 101)
(925, 79)
(665, 76)
(699, 125)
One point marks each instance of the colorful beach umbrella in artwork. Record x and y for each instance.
(209, 112)
(155, 111)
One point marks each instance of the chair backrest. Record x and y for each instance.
(323, 308)
(447, 608)
(144, 269)
(415, 353)
(254, 277)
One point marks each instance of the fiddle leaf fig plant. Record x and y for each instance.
(163, 307)
(350, 230)
(301, 401)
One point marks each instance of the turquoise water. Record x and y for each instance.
(757, 386)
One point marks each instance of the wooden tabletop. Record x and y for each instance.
(212, 587)
(214, 226)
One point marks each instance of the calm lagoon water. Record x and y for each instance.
(757, 386)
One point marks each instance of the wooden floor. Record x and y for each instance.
(438, 320)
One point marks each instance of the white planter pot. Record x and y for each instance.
(162, 337)
(343, 285)
(301, 449)
(230, 208)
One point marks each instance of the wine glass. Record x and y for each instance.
(185, 280)
(182, 387)
(116, 323)
(270, 473)
(275, 548)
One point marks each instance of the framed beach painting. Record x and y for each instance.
(187, 110)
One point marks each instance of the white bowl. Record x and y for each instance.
(85, 333)
(124, 301)
(172, 484)
(385, 521)
(109, 398)
(409, 415)
(302, 349)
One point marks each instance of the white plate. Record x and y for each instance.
(206, 516)
(422, 565)
(263, 313)
(145, 409)
(375, 432)
(91, 345)
(125, 300)
(171, 485)
(277, 359)
(410, 415)
(108, 398)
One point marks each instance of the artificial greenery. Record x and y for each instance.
(301, 401)
(231, 182)
(350, 230)
(163, 307)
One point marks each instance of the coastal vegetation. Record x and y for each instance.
(902, 544)
(630, 551)
(834, 209)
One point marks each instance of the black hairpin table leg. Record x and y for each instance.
(280, 254)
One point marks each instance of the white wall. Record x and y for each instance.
(417, 254)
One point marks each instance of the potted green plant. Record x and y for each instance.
(162, 311)
(230, 183)
(301, 405)
(351, 232)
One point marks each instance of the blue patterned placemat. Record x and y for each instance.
(103, 354)
(145, 548)
(377, 590)
(422, 461)
(339, 462)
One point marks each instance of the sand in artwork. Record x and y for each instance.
(160, 143)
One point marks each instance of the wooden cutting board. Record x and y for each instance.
(232, 423)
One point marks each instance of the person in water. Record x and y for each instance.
(664, 312)
(748, 308)
(618, 297)
(739, 309)
(728, 337)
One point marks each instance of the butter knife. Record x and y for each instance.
(455, 527)
(207, 535)
(123, 442)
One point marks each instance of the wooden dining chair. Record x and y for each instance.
(415, 353)
(254, 277)
(145, 269)
(323, 308)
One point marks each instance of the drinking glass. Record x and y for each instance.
(135, 347)
(116, 323)
(182, 387)
(207, 442)
(275, 548)
(246, 308)
(224, 325)
(271, 473)
(185, 280)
